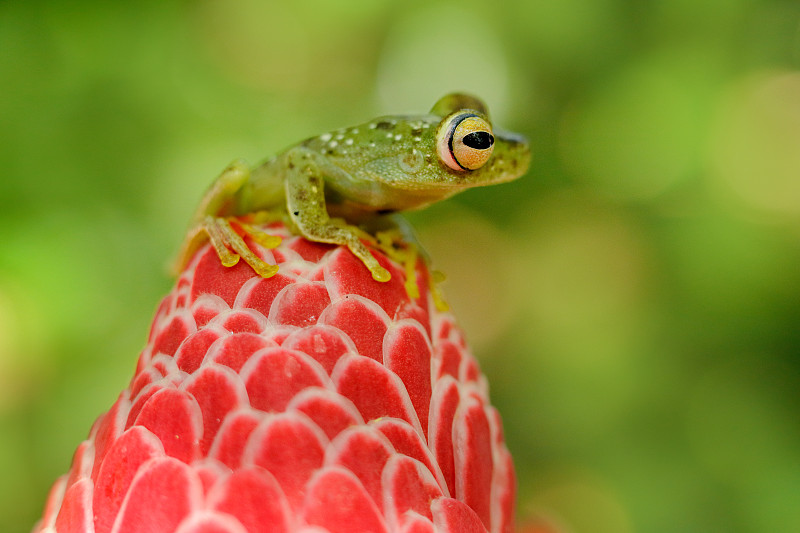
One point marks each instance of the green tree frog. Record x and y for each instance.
(330, 184)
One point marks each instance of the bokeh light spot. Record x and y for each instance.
(582, 278)
(23, 343)
(478, 285)
(755, 144)
(584, 270)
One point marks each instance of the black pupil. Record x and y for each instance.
(480, 140)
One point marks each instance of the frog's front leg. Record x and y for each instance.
(305, 199)
(219, 200)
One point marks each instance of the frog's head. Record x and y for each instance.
(472, 153)
(452, 148)
(403, 162)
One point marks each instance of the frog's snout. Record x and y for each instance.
(513, 156)
(513, 144)
(515, 140)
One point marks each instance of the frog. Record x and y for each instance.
(337, 187)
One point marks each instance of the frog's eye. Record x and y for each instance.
(465, 141)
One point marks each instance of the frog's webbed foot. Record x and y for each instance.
(395, 245)
(229, 245)
(349, 236)
(397, 240)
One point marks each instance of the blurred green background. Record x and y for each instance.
(635, 299)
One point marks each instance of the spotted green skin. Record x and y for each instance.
(356, 174)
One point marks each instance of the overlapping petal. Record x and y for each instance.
(316, 400)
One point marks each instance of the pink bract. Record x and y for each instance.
(316, 400)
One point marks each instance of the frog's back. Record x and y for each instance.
(390, 136)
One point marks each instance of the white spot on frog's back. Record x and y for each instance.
(325, 137)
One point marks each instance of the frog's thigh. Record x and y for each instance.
(223, 190)
(305, 200)
(220, 193)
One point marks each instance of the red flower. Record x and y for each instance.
(315, 400)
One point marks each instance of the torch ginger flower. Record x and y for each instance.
(314, 400)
